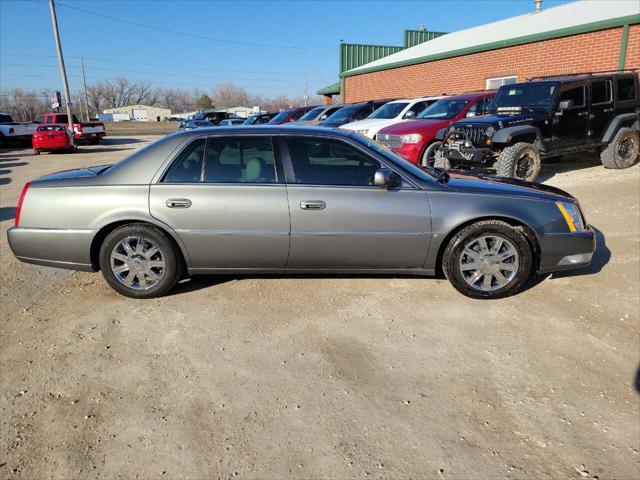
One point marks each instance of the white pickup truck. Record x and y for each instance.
(11, 131)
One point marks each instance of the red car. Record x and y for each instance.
(84, 132)
(52, 138)
(290, 115)
(416, 140)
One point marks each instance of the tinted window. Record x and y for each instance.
(363, 113)
(281, 117)
(390, 110)
(342, 114)
(240, 160)
(297, 115)
(601, 92)
(312, 114)
(187, 168)
(330, 162)
(419, 107)
(626, 89)
(576, 94)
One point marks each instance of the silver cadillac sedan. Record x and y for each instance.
(293, 200)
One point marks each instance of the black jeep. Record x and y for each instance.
(549, 117)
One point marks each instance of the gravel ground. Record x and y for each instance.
(324, 377)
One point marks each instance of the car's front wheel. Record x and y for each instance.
(140, 261)
(521, 161)
(488, 259)
(429, 155)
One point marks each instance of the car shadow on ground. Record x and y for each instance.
(120, 141)
(567, 163)
(7, 213)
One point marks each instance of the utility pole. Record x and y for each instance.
(63, 72)
(84, 82)
(306, 84)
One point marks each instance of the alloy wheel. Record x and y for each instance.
(524, 167)
(489, 262)
(137, 263)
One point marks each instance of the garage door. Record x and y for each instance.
(140, 114)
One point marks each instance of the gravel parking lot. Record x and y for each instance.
(324, 377)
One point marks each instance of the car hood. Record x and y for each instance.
(415, 126)
(368, 123)
(500, 121)
(75, 173)
(483, 184)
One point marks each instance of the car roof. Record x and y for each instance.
(270, 130)
(470, 95)
(567, 78)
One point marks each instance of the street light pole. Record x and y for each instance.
(63, 72)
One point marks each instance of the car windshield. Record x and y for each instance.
(444, 109)
(312, 114)
(390, 110)
(281, 116)
(251, 120)
(524, 95)
(51, 128)
(343, 114)
(5, 118)
(425, 174)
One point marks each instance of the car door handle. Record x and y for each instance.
(178, 203)
(313, 205)
(607, 110)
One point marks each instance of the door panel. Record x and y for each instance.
(601, 112)
(359, 227)
(571, 127)
(227, 226)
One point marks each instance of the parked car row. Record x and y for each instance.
(50, 131)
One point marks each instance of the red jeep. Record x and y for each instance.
(83, 132)
(416, 140)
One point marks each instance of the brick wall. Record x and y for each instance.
(585, 52)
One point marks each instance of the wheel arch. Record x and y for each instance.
(626, 120)
(105, 230)
(527, 231)
(520, 133)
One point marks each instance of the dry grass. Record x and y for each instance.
(140, 128)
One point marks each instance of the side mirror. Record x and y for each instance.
(323, 117)
(410, 114)
(567, 105)
(386, 178)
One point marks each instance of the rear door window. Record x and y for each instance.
(601, 92)
(240, 160)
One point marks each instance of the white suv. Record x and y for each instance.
(389, 114)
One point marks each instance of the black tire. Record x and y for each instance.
(455, 253)
(521, 161)
(173, 269)
(622, 152)
(441, 161)
(36, 151)
(428, 156)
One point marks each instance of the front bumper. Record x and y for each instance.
(410, 151)
(457, 152)
(53, 247)
(566, 251)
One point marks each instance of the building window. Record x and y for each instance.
(497, 82)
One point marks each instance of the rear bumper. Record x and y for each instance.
(61, 248)
(88, 136)
(566, 251)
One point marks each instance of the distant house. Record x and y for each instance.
(138, 113)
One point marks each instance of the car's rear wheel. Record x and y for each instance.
(488, 259)
(622, 152)
(429, 156)
(140, 261)
(521, 161)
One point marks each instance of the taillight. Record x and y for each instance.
(11, 130)
(78, 128)
(20, 200)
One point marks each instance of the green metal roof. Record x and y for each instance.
(333, 89)
(416, 37)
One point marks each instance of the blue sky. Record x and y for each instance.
(264, 46)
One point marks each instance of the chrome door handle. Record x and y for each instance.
(178, 203)
(312, 205)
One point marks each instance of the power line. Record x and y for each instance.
(163, 65)
(183, 34)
